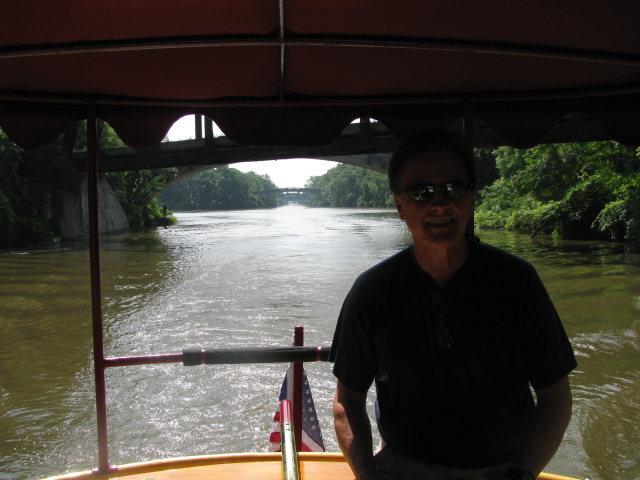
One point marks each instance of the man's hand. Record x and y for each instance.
(353, 430)
(551, 418)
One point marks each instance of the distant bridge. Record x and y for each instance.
(289, 192)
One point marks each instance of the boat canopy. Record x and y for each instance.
(297, 72)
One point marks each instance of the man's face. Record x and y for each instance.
(441, 221)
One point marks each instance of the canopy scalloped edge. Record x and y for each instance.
(520, 124)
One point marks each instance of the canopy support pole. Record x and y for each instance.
(198, 120)
(96, 290)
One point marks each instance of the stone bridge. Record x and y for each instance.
(366, 144)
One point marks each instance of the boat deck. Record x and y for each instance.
(255, 466)
(267, 466)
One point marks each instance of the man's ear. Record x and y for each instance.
(399, 206)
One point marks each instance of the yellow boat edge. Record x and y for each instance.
(164, 465)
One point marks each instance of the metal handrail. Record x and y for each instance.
(227, 356)
(290, 467)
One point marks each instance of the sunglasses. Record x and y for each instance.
(424, 192)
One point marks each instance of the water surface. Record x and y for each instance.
(247, 278)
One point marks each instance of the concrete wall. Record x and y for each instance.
(75, 220)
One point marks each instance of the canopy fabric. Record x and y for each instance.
(295, 72)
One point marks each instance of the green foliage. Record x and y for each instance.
(620, 218)
(222, 188)
(136, 190)
(8, 219)
(485, 166)
(576, 190)
(350, 186)
(108, 138)
(32, 183)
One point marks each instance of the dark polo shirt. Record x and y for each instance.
(466, 405)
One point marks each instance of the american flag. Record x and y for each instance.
(311, 434)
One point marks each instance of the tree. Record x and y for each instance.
(135, 189)
(350, 186)
(136, 192)
(576, 190)
(32, 183)
(485, 166)
(222, 188)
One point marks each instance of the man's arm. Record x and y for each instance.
(551, 418)
(353, 430)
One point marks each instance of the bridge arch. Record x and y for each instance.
(379, 164)
(366, 144)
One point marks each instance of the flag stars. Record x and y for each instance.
(311, 434)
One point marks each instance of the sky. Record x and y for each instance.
(284, 173)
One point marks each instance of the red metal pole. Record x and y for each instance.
(96, 290)
(298, 341)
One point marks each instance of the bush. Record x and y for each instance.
(588, 190)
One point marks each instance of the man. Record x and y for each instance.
(454, 332)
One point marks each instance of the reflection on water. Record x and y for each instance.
(247, 278)
(596, 289)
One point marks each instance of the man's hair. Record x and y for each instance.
(431, 141)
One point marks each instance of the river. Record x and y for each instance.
(247, 278)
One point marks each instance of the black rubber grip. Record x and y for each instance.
(195, 356)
